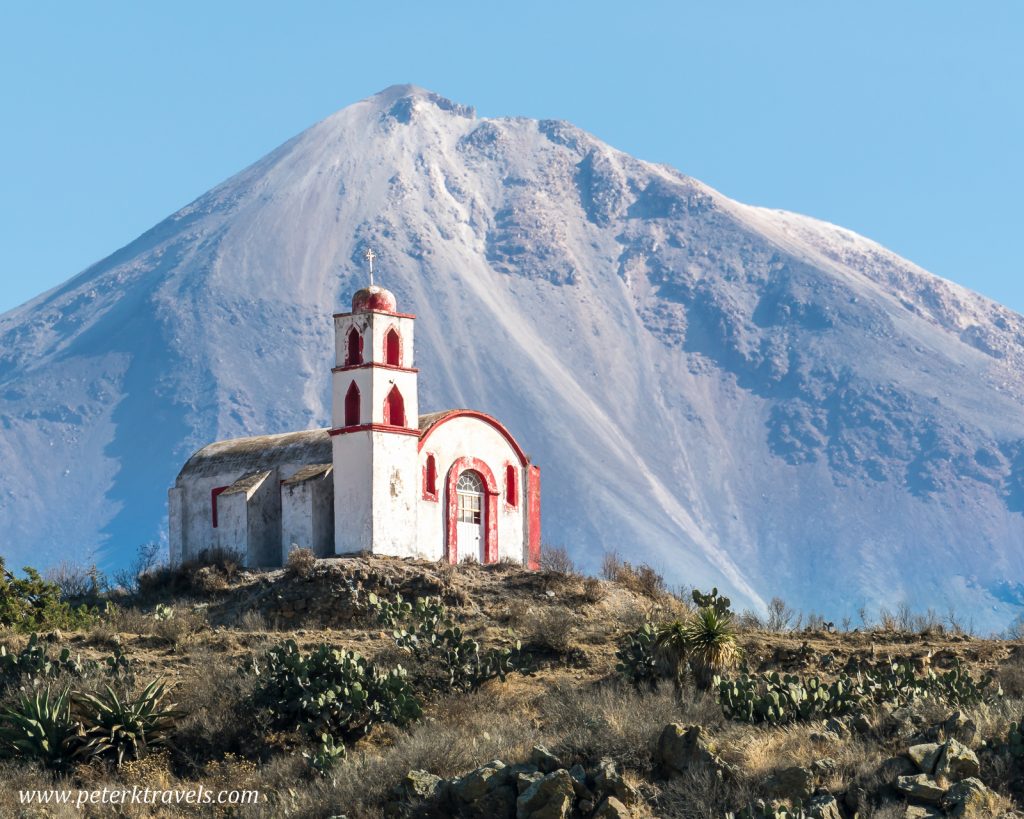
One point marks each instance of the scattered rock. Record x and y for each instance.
(897, 766)
(795, 782)
(544, 760)
(612, 808)
(921, 787)
(957, 762)
(525, 780)
(968, 797)
(549, 798)
(824, 806)
(856, 798)
(836, 726)
(861, 724)
(826, 766)
(925, 756)
(921, 812)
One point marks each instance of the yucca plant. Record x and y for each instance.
(710, 639)
(125, 726)
(672, 646)
(41, 727)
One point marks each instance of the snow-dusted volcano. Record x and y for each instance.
(736, 395)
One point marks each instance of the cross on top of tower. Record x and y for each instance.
(369, 255)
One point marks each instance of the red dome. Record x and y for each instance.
(374, 298)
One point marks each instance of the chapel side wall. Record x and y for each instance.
(264, 522)
(472, 437)
(232, 532)
(322, 499)
(352, 502)
(197, 532)
(296, 518)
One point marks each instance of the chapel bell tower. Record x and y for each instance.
(374, 425)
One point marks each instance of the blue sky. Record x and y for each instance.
(903, 121)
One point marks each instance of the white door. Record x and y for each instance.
(470, 496)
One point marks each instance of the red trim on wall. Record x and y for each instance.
(482, 416)
(213, 503)
(382, 312)
(533, 516)
(430, 480)
(466, 464)
(371, 364)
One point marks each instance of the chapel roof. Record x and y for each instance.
(259, 453)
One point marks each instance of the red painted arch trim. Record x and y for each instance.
(373, 428)
(373, 364)
(467, 464)
(481, 416)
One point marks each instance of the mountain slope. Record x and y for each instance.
(736, 395)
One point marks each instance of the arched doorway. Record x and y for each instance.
(471, 498)
(470, 514)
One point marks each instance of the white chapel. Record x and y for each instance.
(383, 479)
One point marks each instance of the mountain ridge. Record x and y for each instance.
(735, 394)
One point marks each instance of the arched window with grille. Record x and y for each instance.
(394, 408)
(352, 406)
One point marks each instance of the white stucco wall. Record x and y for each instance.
(307, 515)
(471, 437)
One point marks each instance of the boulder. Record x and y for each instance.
(969, 797)
(837, 727)
(525, 779)
(957, 762)
(824, 806)
(579, 782)
(921, 786)
(609, 782)
(422, 785)
(478, 783)
(794, 783)
(826, 766)
(925, 756)
(544, 760)
(861, 724)
(612, 808)
(548, 798)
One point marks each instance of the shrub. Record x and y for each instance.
(556, 559)
(301, 562)
(641, 579)
(593, 590)
(121, 727)
(77, 582)
(553, 628)
(34, 604)
(334, 692)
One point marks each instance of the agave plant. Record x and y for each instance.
(125, 726)
(710, 639)
(43, 728)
